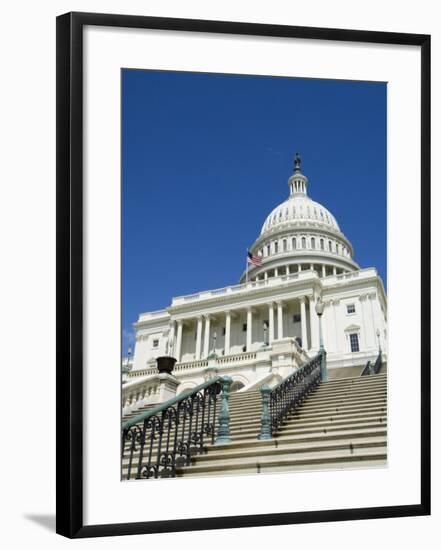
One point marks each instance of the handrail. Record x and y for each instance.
(282, 400)
(373, 369)
(367, 369)
(150, 412)
(158, 441)
(378, 363)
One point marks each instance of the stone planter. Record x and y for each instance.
(166, 364)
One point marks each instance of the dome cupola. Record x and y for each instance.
(297, 182)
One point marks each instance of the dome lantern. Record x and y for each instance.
(297, 182)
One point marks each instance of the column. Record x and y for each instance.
(276, 272)
(287, 270)
(179, 341)
(271, 323)
(171, 339)
(206, 336)
(305, 344)
(313, 317)
(227, 332)
(249, 328)
(279, 320)
(364, 333)
(265, 276)
(376, 323)
(323, 271)
(198, 339)
(334, 271)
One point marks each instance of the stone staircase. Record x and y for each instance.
(342, 424)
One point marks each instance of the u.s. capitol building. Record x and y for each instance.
(261, 330)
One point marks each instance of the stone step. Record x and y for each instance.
(289, 429)
(361, 384)
(356, 378)
(316, 400)
(282, 442)
(284, 449)
(362, 380)
(255, 401)
(301, 416)
(295, 423)
(314, 436)
(318, 458)
(315, 396)
(308, 406)
(283, 452)
(348, 390)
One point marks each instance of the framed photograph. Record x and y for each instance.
(243, 274)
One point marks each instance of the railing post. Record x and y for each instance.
(323, 369)
(223, 434)
(265, 419)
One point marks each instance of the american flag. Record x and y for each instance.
(254, 259)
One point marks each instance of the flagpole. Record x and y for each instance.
(246, 269)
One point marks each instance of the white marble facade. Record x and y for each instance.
(262, 329)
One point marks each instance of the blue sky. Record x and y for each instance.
(206, 157)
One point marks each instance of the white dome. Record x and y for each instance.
(299, 209)
(298, 235)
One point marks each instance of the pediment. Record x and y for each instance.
(352, 327)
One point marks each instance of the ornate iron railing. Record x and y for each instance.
(160, 440)
(373, 369)
(285, 398)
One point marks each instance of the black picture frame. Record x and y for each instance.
(69, 295)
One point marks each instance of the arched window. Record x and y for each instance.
(303, 242)
(313, 243)
(276, 247)
(322, 244)
(337, 247)
(268, 250)
(330, 246)
(284, 245)
(294, 243)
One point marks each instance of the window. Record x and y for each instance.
(284, 245)
(223, 331)
(155, 343)
(303, 242)
(354, 342)
(350, 308)
(276, 247)
(244, 327)
(294, 244)
(296, 318)
(330, 246)
(322, 244)
(268, 250)
(313, 243)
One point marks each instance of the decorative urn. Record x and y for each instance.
(165, 363)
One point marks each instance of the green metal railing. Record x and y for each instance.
(373, 369)
(281, 401)
(158, 441)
